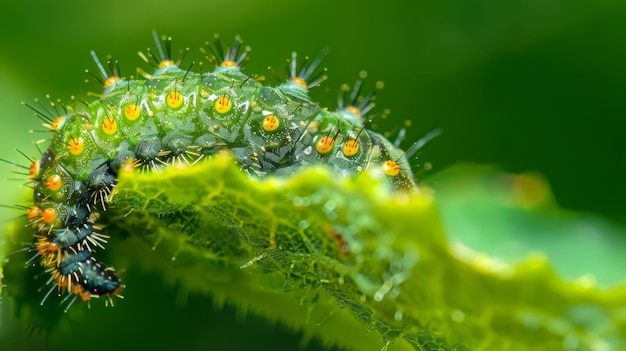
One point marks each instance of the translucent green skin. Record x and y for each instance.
(163, 134)
(240, 130)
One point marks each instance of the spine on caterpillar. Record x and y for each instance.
(177, 116)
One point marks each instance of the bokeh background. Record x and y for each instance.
(533, 85)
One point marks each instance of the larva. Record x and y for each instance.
(178, 116)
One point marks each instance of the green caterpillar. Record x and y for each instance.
(180, 117)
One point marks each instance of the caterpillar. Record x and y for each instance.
(179, 116)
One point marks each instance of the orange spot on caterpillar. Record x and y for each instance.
(351, 148)
(271, 123)
(353, 109)
(56, 123)
(111, 81)
(223, 104)
(325, 145)
(174, 100)
(48, 215)
(50, 253)
(76, 146)
(80, 291)
(34, 170)
(109, 126)
(132, 112)
(166, 63)
(391, 168)
(228, 63)
(54, 182)
(45, 247)
(33, 213)
(301, 82)
(130, 164)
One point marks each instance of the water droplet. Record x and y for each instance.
(329, 209)
(301, 201)
(398, 316)
(329, 206)
(458, 316)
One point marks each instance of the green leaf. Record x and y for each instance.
(348, 262)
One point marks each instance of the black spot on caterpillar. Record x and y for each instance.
(178, 116)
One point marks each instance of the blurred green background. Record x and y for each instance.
(526, 85)
(534, 85)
